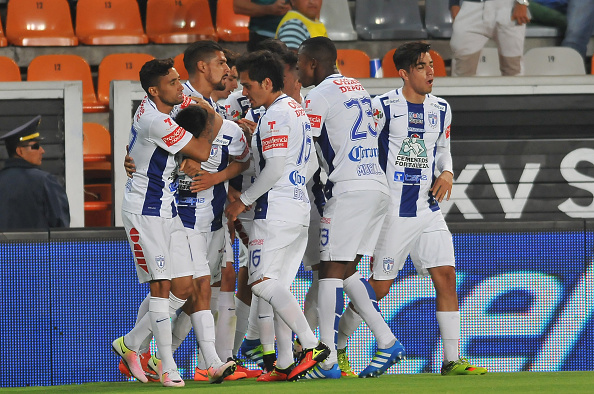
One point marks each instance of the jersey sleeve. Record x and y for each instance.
(238, 146)
(168, 135)
(443, 156)
(274, 134)
(316, 107)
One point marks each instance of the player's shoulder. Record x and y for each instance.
(230, 128)
(438, 102)
(391, 97)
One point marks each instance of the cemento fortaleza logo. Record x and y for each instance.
(413, 153)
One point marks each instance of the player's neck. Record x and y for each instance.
(202, 86)
(411, 96)
(272, 98)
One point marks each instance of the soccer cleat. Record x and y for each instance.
(344, 364)
(383, 359)
(252, 350)
(124, 369)
(276, 375)
(217, 375)
(130, 359)
(201, 375)
(310, 358)
(461, 367)
(150, 374)
(269, 360)
(318, 372)
(249, 373)
(297, 349)
(171, 378)
(152, 366)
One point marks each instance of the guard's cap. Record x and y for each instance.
(23, 134)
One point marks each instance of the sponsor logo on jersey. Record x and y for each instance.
(447, 132)
(409, 179)
(358, 153)
(221, 141)
(174, 137)
(281, 141)
(315, 120)
(300, 195)
(160, 261)
(397, 116)
(415, 118)
(173, 186)
(348, 85)
(369, 169)
(413, 153)
(256, 242)
(296, 179)
(388, 264)
(432, 119)
(325, 220)
(439, 106)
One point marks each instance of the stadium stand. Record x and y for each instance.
(438, 19)
(66, 68)
(39, 23)
(389, 69)
(488, 63)
(336, 16)
(96, 152)
(10, 70)
(101, 22)
(231, 26)
(98, 205)
(389, 19)
(178, 22)
(118, 66)
(553, 61)
(179, 66)
(353, 63)
(3, 40)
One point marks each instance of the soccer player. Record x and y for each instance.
(414, 129)
(281, 147)
(155, 231)
(339, 109)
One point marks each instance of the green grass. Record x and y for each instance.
(507, 383)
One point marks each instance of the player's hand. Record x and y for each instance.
(233, 194)
(204, 104)
(203, 180)
(231, 228)
(129, 165)
(280, 7)
(520, 14)
(247, 126)
(454, 11)
(234, 209)
(190, 167)
(443, 186)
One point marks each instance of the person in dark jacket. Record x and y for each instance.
(30, 198)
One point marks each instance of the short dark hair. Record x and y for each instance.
(152, 70)
(199, 51)
(320, 48)
(273, 45)
(290, 59)
(261, 65)
(408, 54)
(193, 119)
(231, 57)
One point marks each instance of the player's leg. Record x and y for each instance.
(469, 36)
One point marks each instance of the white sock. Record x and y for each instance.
(225, 331)
(284, 343)
(242, 312)
(349, 322)
(175, 305)
(253, 331)
(214, 302)
(363, 298)
(310, 305)
(266, 325)
(449, 328)
(138, 335)
(330, 306)
(287, 307)
(180, 329)
(204, 329)
(143, 310)
(161, 324)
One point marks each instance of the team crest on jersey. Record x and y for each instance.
(160, 261)
(214, 149)
(415, 118)
(388, 264)
(432, 119)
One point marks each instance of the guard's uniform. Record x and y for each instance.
(281, 215)
(154, 229)
(339, 110)
(414, 146)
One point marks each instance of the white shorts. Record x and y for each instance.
(199, 246)
(243, 233)
(351, 224)
(275, 250)
(426, 239)
(159, 245)
(229, 255)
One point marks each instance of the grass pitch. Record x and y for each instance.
(516, 382)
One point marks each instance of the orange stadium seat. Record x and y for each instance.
(3, 40)
(178, 22)
(353, 63)
(390, 71)
(115, 22)
(231, 26)
(96, 151)
(179, 66)
(118, 66)
(10, 70)
(39, 23)
(66, 68)
(98, 207)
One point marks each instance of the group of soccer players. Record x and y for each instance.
(385, 165)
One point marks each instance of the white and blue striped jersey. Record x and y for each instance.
(411, 135)
(237, 105)
(190, 91)
(155, 138)
(339, 111)
(284, 130)
(203, 211)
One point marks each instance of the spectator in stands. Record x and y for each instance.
(31, 198)
(580, 25)
(301, 23)
(476, 21)
(265, 15)
(549, 13)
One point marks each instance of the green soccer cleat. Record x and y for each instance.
(344, 364)
(461, 367)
